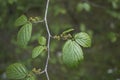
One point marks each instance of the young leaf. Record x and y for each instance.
(16, 71)
(31, 77)
(42, 40)
(72, 53)
(67, 31)
(86, 6)
(79, 7)
(112, 36)
(37, 51)
(21, 20)
(83, 6)
(83, 39)
(24, 34)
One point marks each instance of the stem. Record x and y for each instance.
(48, 42)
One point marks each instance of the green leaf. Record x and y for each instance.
(24, 34)
(82, 27)
(21, 20)
(83, 6)
(31, 78)
(16, 71)
(80, 7)
(11, 1)
(42, 40)
(86, 6)
(37, 51)
(59, 10)
(83, 39)
(112, 36)
(72, 53)
(67, 31)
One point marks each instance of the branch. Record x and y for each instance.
(49, 34)
(48, 42)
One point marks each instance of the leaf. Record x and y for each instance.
(16, 71)
(59, 10)
(11, 1)
(31, 78)
(37, 51)
(67, 31)
(83, 39)
(82, 27)
(42, 40)
(79, 7)
(83, 6)
(112, 36)
(86, 6)
(21, 20)
(72, 53)
(24, 34)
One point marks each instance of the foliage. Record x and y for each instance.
(101, 22)
(37, 51)
(16, 71)
(72, 52)
(42, 40)
(21, 20)
(83, 6)
(83, 39)
(24, 34)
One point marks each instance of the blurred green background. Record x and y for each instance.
(99, 18)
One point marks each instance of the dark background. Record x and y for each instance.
(99, 18)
